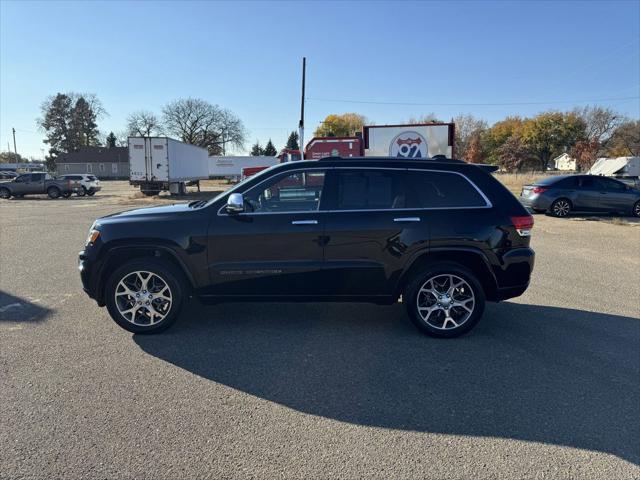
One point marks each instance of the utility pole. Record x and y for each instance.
(301, 125)
(15, 150)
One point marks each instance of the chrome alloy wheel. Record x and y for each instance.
(636, 209)
(143, 298)
(561, 208)
(445, 301)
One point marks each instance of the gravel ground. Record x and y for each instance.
(547, 385)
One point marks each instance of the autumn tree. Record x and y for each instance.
(11, 157)
(469, 128)
(550, 133)
(498, 134)
(292, 141)
(143, 124)
(512, 154)
(270, 150)
(475, 152)
(345, 125)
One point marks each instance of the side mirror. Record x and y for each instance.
(235, 203)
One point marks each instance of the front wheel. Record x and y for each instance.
(636, 209)
(5, 193)
(91, 192)
(445, 300)
(53, 192)
(66, 194)
(145, 295)
(81, 192)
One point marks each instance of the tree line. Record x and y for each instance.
(270, 150)
(517, 143)
(69, 122)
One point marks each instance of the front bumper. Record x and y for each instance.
(89, 269)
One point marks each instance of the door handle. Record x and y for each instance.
(304, 222)
(407, 219)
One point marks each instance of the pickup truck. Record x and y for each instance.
(37, 184)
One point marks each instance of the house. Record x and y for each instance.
(103, 162)
(565, 162)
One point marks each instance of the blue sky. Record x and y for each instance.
(436, 57)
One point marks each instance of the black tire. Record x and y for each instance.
(5, 193)
(82, 192)
(53, 192)
(636, 209)
(538, 210)
(429, 326)
(173, 278)
(91, 192)
(151, 193)
(66, 194)
(560, 208)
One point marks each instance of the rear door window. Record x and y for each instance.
(566, 183)
(445, 190)
(373, 190)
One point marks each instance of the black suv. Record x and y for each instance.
(443, 236)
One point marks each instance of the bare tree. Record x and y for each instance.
(599, 125)
(143, 124)
(427, 118)
(200, 123)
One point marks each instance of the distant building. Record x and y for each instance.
(565, 162)
(103, 162)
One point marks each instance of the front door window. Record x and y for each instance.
(294, 192)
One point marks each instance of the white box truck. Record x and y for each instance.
(161, 163)
(231, 167)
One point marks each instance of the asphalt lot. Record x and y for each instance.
(547, 385)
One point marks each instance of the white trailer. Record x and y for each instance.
(231, 167)
(420, 141)
(162, 163)
(617, 167)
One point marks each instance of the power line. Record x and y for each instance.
(472, 104)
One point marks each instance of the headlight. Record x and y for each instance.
(93, 236)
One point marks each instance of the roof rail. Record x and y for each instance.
(437, 158)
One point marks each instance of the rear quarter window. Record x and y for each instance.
(445, 190)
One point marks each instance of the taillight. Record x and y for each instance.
(523, 225)
(539, 189)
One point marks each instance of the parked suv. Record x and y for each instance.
(444, 236)
(89, 184)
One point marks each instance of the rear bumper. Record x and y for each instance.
(514, 274)
(537, 202)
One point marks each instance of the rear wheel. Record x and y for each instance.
(91, 192)
(560, 207)
(151, 193)
(445, 300)
(145, 295)
(5, 193)
(66, 194)
(53, 192)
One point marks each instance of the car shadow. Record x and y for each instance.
(18, 310)
(527, 372)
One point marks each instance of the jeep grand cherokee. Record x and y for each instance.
(442, 235)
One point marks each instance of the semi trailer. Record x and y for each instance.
(160, 163)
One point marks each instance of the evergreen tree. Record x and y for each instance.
(292, 141)
(270, 150)
(83, 129)
(56, 112)
(111, 140)
(257, 150)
